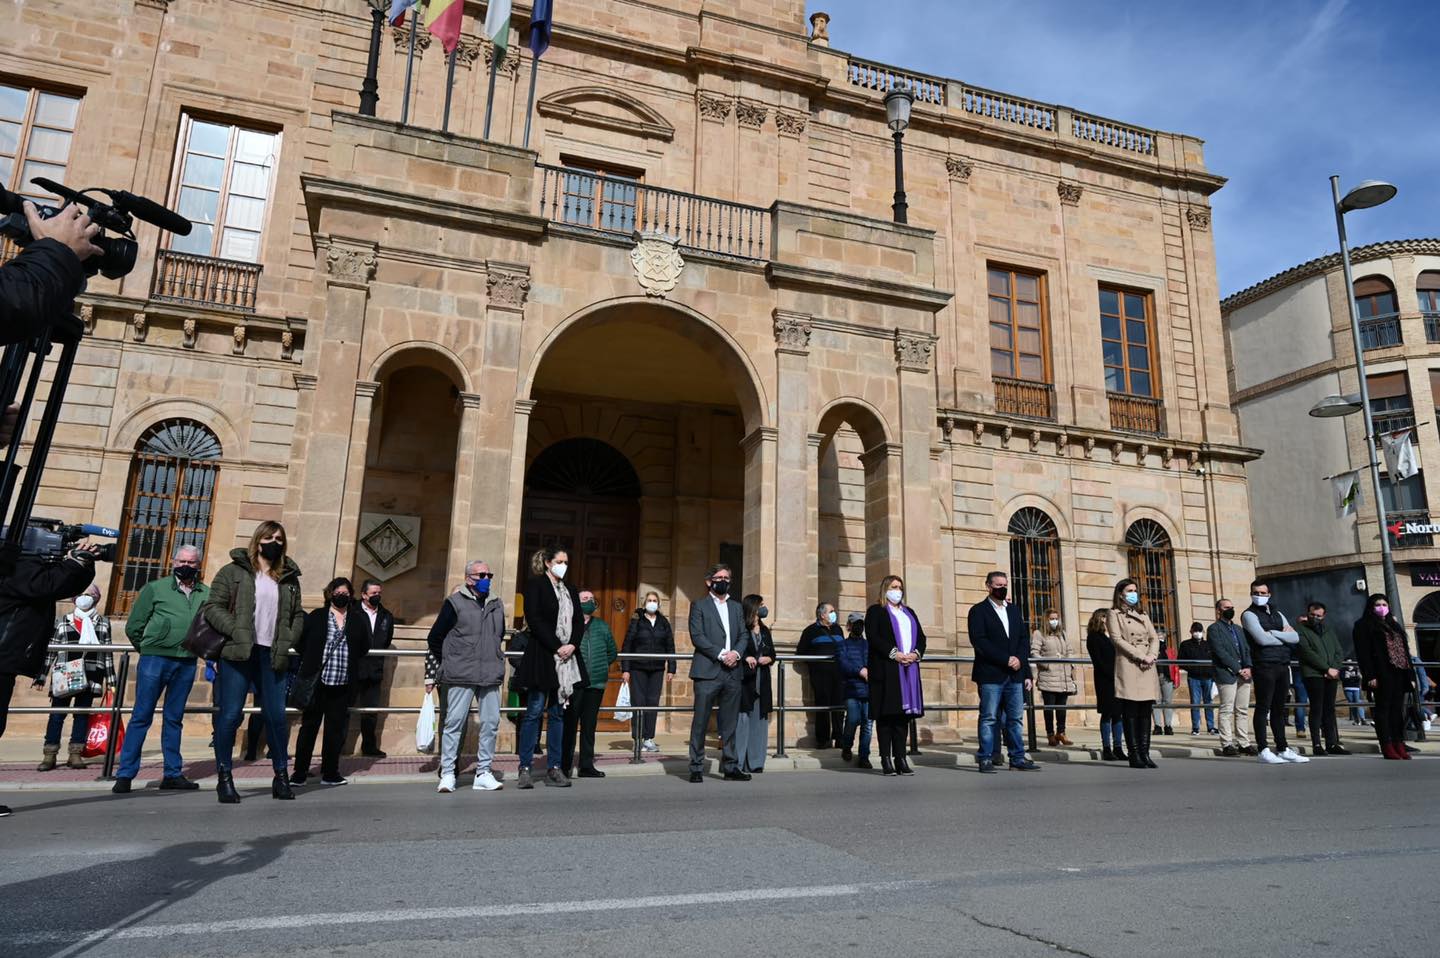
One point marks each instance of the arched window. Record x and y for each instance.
(1427, 628)
(1034, 565)
(169, 500)
(1151, 560)
(1427, 290)
(1379, 313)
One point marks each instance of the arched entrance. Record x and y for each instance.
(853, 494)
(1427, 629)
(1150, 558)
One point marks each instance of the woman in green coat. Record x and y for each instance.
(255, 603)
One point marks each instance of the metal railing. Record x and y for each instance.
(608, 204)
(1398, 520)
(1432, 327)
(1140, 414)
(1024, 398)
(1393, 421)
(1378, 332)
(205, 281)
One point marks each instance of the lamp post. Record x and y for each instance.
(897, 116)
(370, 86)
(1367, 194)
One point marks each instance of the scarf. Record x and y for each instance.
(565, 613)
(911, 700)
(1395, 648)
(84, 623)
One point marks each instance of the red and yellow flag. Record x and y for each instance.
(442, 19)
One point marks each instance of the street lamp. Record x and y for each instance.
(897, 116)
(370, 86)
(1367, 194)
(1332, 407)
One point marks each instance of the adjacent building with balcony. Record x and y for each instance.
(1290, 345)
(681, 327)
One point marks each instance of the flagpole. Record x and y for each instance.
(495, 54)
(449, 87)
(409, 66)
(530, 102)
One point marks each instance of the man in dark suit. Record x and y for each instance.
(717, 631)
(1001, 670)
(370, 677)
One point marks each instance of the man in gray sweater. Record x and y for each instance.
(466, 644)
(1271, 642)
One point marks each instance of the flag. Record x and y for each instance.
(497, 24)
(442, 19)
(542, 21)
(1400, 459)
(1347, 493)
(396, 16)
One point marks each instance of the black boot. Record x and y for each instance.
(1144, 732)
(1106, 755)
(1132, 741)
(280, 788)
(886, 766)
(225, 788)
(1116, 749)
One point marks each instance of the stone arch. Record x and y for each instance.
(650, 456)
(1033, 500)
(421, 353)
(626, 115)
(856, 524)
(1171, 527)
(862, 416)
(127, 433)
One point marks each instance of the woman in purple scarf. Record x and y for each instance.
(896, 644)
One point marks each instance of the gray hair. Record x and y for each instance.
(473, 563)
(185, 547)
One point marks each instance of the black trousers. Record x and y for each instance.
(7, 689)
(1054, 718)
(582, 715)
(890, 730)
(829, 725)
(1321, 692)
(367, 696)
(331, 705)
(1272, 685)
(645, 689)
(1390, 706)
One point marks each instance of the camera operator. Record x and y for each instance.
(38, 286)
(27, 615)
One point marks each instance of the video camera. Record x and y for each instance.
(50, 540)
(117, 253)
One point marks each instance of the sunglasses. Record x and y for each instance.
(483, 575)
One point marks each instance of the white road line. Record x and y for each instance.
(726, 897)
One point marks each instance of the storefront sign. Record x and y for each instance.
(1425, 573)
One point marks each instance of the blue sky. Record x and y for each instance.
(1284, 93)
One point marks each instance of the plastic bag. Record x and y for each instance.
(622, 701)
(98, 738)
(425, 727)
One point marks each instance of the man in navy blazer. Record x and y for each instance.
(1002, 670)
(717, 631)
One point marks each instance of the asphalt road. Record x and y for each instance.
(1199, 857)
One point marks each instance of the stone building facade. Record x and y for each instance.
(1302, 547)
(680, 327)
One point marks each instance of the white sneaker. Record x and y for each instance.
(486, 782)
(1268, 757)
(1290, 755)
(447, 784)
(649, 746)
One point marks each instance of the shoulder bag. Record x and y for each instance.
(202, 639)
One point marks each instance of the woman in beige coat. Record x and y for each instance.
(1137, 685)
(1055, 680)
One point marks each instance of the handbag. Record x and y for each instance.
(68, 678)
(201, 639)
(302, 691)
(97, 740)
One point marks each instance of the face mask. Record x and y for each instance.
(1261, 600)
(1197, 635)
(895, 595)
(340, 600)
(1382, 610)
(375, 602)
(186, 573)
(763, 612)
(1228, 615)
(831, 617)
(480, 587)
(85, 603)
(271, 551)
(999, 593)
(652, 607)
(588, 607)
(559, 569)
(1054, 623)
(1132, 598)
(720, 587)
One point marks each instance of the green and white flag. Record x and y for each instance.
(1347, 493)
(497, 24)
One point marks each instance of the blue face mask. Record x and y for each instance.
(1133, 598)
(480, 586)
(832, 617)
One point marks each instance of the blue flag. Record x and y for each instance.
(397, 10)
(542, 21)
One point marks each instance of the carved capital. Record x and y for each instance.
(304, 381)
(366, 389)
(350, 265)
(715, 108)
(790, 124)
(509, 66)
(189, 328)
(792, 332)
(468, 52)
(139, 325)
(751, 115)
(401, 36)
(237, 336)
(1069, 192)
(913, 351)
(87, 318)
(959, 169)
(506, 285)
(1198, 217)
(469, 401)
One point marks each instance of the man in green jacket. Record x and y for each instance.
(157, 625)
(597, 651)
(1320, 662)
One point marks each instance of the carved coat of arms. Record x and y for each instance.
(657, 263)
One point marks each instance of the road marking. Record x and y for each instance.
(726, 897)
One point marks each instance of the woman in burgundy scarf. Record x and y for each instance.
(1383, 653)
(896, 644)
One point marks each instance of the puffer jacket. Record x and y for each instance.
(235, 585)
(1053, 676)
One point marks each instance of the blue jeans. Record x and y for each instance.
(1012, 693)
(1112, 732)
(79, 723)
(156, 674)
(857, 715)
(1354, 697)
(1200, 692)
(535, 705)
(232, 684)
(1302, 698)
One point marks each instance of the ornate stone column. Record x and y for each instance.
(914, 353)
(793, 595)
(463, 500)
(759, 534)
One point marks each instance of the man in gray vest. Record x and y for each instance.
(467, 645)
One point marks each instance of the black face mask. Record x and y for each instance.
(340, 600)
(721, 587)
(1228, 615)
(271, 551)
(375, 603)
(186, 573)
(999, 594)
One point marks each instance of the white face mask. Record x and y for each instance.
(895, 595)
(652, 607)
(85, 603)
(1197, 635)
(1261, 600)
(559, 569)
(1054, 623)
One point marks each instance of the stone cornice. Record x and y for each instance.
(339, 193)
(905, 294)
(954, 422)
(733, 65)
(1323, 264)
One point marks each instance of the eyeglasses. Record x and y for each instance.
(483, 575)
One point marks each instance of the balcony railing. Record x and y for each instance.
(1377, 332)
(1140, 414)
(608, 204)
(1020, 397)
(879, 77)
(1109, 133)
(1007, 108)
(1395, 421)
(1432, 327)
(1398, 524)
(205, 281)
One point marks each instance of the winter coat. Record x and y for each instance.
(854, 655)
(537, 663)
(755, 683)
(27, 609)
(1198, 649)
(1134, 638)
(99, 666)
(885, 700)
(1053, 676)
(467, 641)
(1373, 656)
(161, 617)
(642, 637)
(1318, 651)
(1102, 655)
(38, 287)
(597, 650)
(818, 639)
(235, 583)
(382, 636)
(317, 630)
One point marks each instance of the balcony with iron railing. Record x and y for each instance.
(1378, 332)
(1137, 414)
(205, 281)
(1397, 523)
(1432, 326)
(1023, 398)
(1392, 421)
